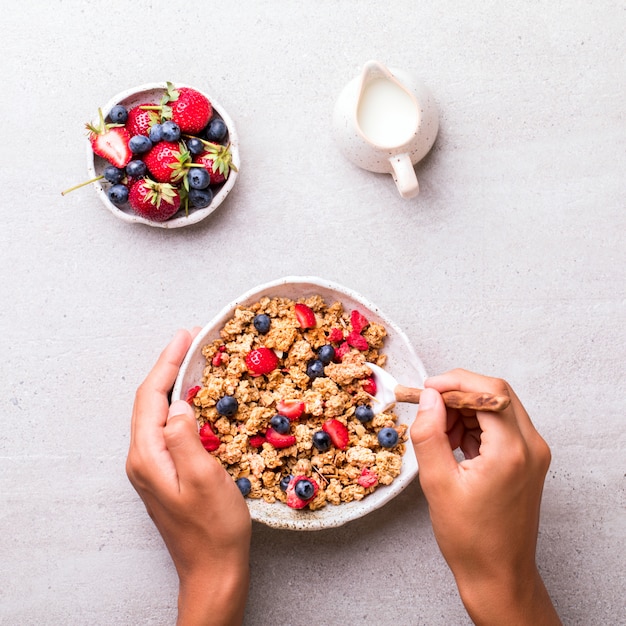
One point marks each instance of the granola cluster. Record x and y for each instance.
(272, 371)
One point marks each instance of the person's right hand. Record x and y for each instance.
(485, 508)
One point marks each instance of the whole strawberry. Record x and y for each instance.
(110, 141)
(167, 161)
(154, 201)
(188, 108)
(217, 161)
(140, 120)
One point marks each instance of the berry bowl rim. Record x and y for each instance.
(138, 95)
(402, 362)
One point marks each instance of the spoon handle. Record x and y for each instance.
(457, 399)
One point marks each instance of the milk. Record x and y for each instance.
(386, 114)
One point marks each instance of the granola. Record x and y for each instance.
(285, 399)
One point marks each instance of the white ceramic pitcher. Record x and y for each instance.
(385, 121)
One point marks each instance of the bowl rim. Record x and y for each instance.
(291, 519)
(194, 216)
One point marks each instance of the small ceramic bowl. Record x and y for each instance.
(152, 92)
(402, 363)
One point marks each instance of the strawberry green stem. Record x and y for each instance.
(87, 182)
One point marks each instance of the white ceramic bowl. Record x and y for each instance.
(402, 363)
(152, 92)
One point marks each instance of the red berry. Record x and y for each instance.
(278, 440)
(190, 110)
(335, 335)
(293, 500)
(341, 351)
(261, 361)
(192, 393)
(368, 478)
(337, 432)
(292, 409)
(217, 359)
(217, 161)
(369, 385)
(305, 316)
(357, 341)
(209, 439)
(256, 441)
(154, 201)
(358, 321)
(140, 121)
(167, 161)
(110, 142)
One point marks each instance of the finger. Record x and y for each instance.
(181, 438)
(507, 423)
(430, 441)
(151, 402)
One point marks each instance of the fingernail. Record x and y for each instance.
(428, 398)
(178, 407)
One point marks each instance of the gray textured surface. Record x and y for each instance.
(510, 262)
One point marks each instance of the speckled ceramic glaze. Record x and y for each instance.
(397, 160)
(152, 93)
(402, 362)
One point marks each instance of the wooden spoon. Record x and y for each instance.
(388, 392)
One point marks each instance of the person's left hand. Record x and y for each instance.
(194, 503)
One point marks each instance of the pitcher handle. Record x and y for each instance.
(404, 175)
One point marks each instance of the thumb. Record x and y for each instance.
(182, 441)
(430, 441)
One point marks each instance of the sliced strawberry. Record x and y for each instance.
(369, 385)
(335, 335)
(209, 439)
(337, 432)
(358, 321)
(261, 361)
(110, 141)
(368, 478)
(341, 351)
(192, 393)
(292, 409)
(278, 440)
(357, 341)
(293, 500)
(305, 316)
(256, 441)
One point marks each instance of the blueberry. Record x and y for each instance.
(139, 144)
(315, 369)
(244, 485)
(364, 413)
(200, 198)
(156, 133)
(227, 406)
(195, 145)
(118, 114)
(262, 323)
(216, 130)
(304, 489)
(171, 131)
(118, 194)
(136, 168)
(284, 482)
(326, 354)
(198, 178)
(280, 424)
(321, 440)
(388, 437)
(113, 174)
